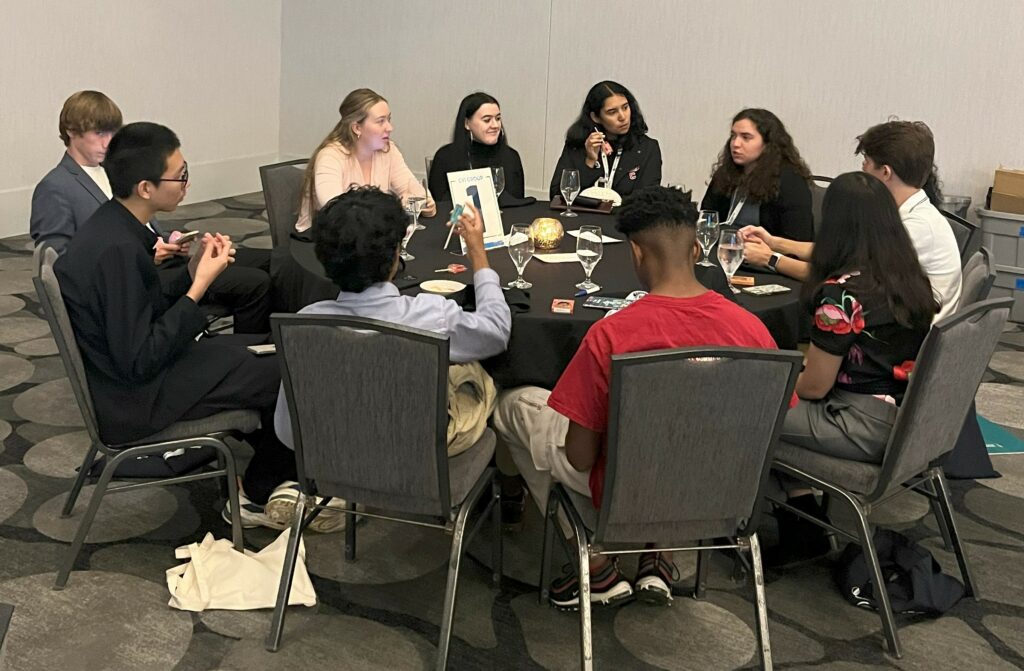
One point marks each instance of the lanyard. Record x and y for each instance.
(609, 175)
(734, 209)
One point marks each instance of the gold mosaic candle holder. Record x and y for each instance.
(547, 233)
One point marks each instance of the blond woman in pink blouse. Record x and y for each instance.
(358, 152)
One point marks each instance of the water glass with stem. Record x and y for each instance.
(414, 205)
(730, 253)
(570, 188)
(589, 249)
(409, 230)
(499, 181)
(707, 234)
(520, 248)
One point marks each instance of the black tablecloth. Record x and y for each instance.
(542, 342)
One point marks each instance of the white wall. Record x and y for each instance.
(829, 69)
(209, 69)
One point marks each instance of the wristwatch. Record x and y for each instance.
(773, 261)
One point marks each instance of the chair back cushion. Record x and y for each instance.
(368, 403)
(978, 277)
(691, 432)
(282, 183)
(52, 302)
(942, 385)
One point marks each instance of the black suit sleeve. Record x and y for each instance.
(794, 208)
(52, 220)
(573, 158)
(140, 344)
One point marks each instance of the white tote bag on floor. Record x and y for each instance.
(220, 577)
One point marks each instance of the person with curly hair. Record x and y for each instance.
(760, 179)
(872, 306)
(560, 434)
(608, 142)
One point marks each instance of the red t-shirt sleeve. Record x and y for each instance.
(581, 393)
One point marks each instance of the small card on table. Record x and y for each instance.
(563, 306)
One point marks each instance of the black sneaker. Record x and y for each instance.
(654, 579)
(607, 587)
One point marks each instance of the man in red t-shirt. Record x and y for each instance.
(561, 434)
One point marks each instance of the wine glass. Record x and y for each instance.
(414, 205)
(589, 249)
(499, 181)
(707, 233)
(409, 230)
(428, 161)
(520, 248)
(730, 253)
(570, 188)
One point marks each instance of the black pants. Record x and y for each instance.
(243, 288)
(253, 385)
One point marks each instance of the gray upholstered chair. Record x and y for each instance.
(690, 436)
(818, 186)
(979, 274)
(209, 431)
(965, 232)
(282, 183)
(369, 415)
(949, 368)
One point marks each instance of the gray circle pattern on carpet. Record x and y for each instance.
(193, 211)
(138, 631)
(394, 552)
(1002, 403)
(17, 263)
(39, 347)
(258, 242)
(49, 403)
(249, 201)
(233, 226)
(58, 456)
(120, 516)
(13, 492)
(16, 282)
(19, 329)
(10, 304)
(1008, 363)
(14, 370)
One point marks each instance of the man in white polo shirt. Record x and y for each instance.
(902, 155)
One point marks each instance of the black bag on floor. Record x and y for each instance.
(914, 580)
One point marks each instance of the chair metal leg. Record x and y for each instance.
(549, 540)
(583, 557)
(700, 584)
(760, 604)
(451, 587)
(940, 520)
(64, 572)
(946, 511)
(867, 544)
(496, 539)
(227, 462)
(284, 588)
(350, 531)
(76, 488)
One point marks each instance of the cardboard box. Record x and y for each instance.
(1003, 202)
(1009, 183)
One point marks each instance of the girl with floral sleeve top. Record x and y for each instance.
(872, 306)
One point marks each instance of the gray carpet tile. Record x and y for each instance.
(382, 611)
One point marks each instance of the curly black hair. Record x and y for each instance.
(654, 206)
(357, 235)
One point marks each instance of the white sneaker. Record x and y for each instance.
(252, 514)
(280, 506)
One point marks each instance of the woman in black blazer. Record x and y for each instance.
(760, 179)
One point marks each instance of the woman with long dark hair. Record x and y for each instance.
(760, 179)
(872, 306)
(609, 142)
(479, 140)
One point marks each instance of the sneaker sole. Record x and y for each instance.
(280, 510)
(618, 594)
(653, 590)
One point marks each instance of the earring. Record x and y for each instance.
(469, 134)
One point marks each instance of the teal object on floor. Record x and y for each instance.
(998, 440)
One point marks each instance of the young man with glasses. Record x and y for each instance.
(145, 361)
(69, 194)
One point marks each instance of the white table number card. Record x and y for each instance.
(477, 187)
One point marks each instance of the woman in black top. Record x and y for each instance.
(760, 179)
(872, 306)
(478, 141)
(609, 141)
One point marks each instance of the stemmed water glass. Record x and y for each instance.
(414, 205)
(409, 230)
(570, 188)
(707, 234)
(499, 181)
(520, 248)
(589, 249)
(730, 253)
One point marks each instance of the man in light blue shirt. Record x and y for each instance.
(358, 239)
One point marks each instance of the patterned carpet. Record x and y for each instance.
(381, 612)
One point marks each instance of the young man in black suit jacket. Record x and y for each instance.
(69, 194)
(145, 361)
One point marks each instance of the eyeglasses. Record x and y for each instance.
(183, 179)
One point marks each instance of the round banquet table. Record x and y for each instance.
(542, 342)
